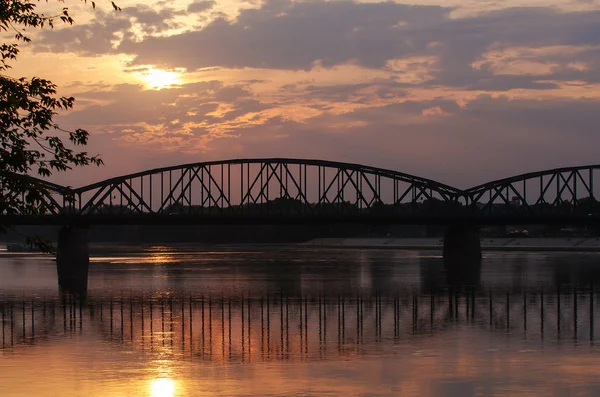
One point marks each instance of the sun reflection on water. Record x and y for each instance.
(162, 387)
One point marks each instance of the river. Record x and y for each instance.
(182, 320)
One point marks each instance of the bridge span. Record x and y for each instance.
(299, 191)
(281, 190)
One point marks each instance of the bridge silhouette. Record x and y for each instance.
(296, 191)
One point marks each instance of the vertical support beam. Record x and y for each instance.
(575, 175)
(241, 187)
(558, 199)
(261, 192)
(209, 188)
(141, 192)
(248, 183)
(130, 192)
(170, 197)
(222, 190)
(305, 186)
(591, 185)
(319, 186)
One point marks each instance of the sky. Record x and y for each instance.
(459, 91)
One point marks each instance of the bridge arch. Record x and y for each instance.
(254, 186)
(303, 188)
(559, 190)
(29, 195)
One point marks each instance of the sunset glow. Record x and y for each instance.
(158, 79)
(208, 198)
(398, 84)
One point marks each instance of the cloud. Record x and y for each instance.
(106, 30)
(301, 35)
(288, 35)
(508, 82)
(463, 41)
(487, 138)
(291, 35)
(201, 6)
(93, 39)
(206, 108)
(413, 88)
(153, 21)
(356, 92)
(462, 144)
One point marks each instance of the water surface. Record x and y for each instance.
(185, 321)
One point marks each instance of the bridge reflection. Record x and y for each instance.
(280, 327)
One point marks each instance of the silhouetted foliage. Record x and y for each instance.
(30, 141)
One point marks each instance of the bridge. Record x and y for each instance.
(280, 190)
(297, 191)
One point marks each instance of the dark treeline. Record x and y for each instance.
(228, 233)
(429, 207)
(299, 233)
(224, 234)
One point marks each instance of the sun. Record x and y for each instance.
(162, 387)
(158, 78)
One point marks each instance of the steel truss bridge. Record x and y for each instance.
(289, 191)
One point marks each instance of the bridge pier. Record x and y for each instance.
(72, 259)
(462, 255)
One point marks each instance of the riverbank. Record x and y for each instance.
(565, 244)
(568, 244)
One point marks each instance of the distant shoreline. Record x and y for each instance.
(549, 244)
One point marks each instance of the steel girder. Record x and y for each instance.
(273, 188)
(31, 196)
(259, 187)
(565, 191)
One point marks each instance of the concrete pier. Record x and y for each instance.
(72, 259)
(462, 243)
(462, 256)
